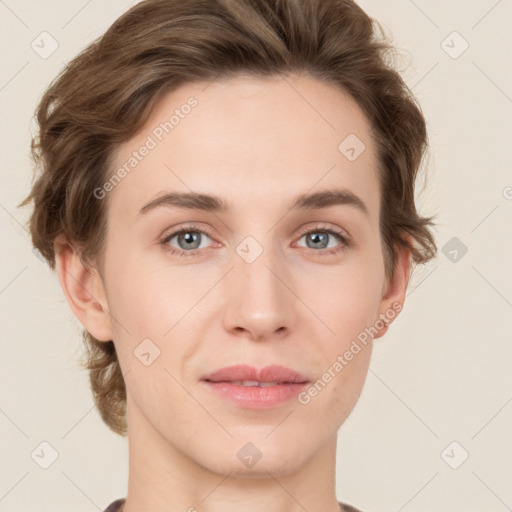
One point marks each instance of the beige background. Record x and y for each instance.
(441, 374)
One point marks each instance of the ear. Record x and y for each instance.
(395, 289)
(84, 290)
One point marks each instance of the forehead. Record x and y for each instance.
(258, 139)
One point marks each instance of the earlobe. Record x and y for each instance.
(84, 290)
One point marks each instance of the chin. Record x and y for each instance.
(258, 457)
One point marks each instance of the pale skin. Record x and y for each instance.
(257, 144)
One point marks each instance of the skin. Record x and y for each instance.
(256, 143)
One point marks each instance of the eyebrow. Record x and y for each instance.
(212, 203)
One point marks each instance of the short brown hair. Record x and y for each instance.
(106, 94)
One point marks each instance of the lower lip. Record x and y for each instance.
(253, 397)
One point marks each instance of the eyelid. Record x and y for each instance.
(327, 227)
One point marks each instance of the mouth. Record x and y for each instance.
(254, 383)
(247, 387)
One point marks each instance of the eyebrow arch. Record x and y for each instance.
(212, 203)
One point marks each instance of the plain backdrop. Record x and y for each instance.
(432, 429)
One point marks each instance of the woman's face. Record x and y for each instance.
(267, 284)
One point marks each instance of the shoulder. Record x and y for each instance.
(347, 508)
(115, 506)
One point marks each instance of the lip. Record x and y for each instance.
(273, 373)
(289, 384)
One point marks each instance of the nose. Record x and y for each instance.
(260, 303)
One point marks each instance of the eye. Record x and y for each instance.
(318, 238)
(188, 238)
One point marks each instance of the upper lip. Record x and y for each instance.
(242, 372)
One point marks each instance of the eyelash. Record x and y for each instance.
(341, 236)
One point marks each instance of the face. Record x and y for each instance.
(265, 281)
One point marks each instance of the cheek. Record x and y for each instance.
(347, 297)
(348, 305)
(147, 298)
